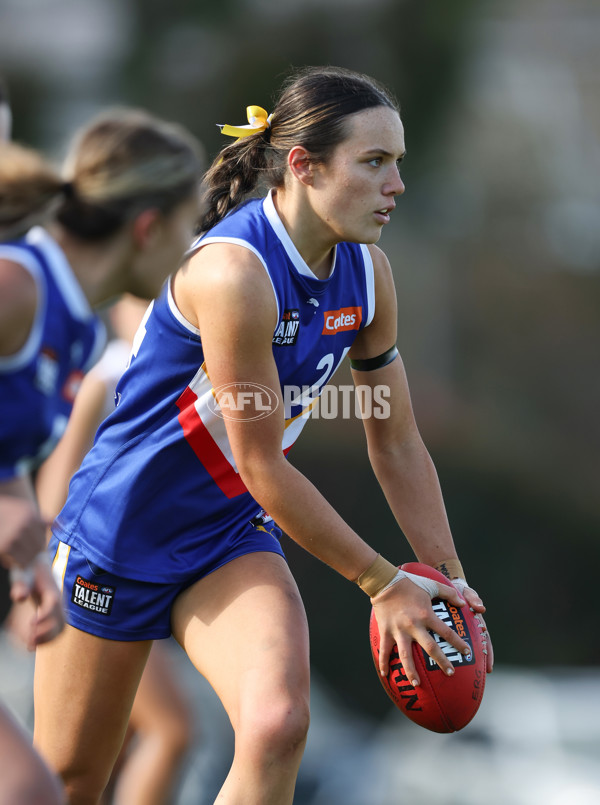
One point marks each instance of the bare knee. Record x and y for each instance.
(276, 731)
(82, 788)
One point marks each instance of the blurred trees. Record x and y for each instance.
(196, 60)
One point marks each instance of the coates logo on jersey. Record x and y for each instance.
(339, 321)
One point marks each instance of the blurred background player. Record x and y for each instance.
(119, 220)
(160, 727)
(24, 777)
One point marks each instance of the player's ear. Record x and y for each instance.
(300, 164)
(146, 228)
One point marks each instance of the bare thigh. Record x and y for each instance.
(244, 628)
(84, 689)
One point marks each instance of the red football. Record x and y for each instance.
(441, 703)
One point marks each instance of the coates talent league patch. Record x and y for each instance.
(93, 596)
(286, 333)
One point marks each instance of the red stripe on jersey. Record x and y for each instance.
(205, 447)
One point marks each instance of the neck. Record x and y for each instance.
(314, 243)
(100, 269)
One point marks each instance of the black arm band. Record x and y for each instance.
(369, 364)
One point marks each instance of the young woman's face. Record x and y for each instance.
(174, 236)
(354, 192)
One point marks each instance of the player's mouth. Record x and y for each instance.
(383, 215)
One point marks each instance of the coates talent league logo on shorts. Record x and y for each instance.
(93, 596)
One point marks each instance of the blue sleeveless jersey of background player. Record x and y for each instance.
(168, 431)
(39, 382)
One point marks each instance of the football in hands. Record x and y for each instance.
(440, 703)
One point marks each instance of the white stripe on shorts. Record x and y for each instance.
(59, 564)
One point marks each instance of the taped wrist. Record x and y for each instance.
(460, 585)
(451, 568)
(430, 586)
(377, 576)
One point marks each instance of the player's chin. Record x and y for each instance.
(367, 237)
(363, 232)
(374, 234)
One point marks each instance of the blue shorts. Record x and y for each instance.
(119, 608)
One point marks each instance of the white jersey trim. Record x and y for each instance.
(177, 313)
(288, 244)
(369, 282)
(246, 245)
(30, 348)
(62, 272)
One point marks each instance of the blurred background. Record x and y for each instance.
(495, 248)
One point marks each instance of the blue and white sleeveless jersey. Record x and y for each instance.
(39, 382)
(160, 490)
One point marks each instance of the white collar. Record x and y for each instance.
(288, 244)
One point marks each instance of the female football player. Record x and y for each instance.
(173, 522)
(119, 221)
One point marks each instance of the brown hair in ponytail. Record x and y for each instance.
(311, 111)
(123, 162)
(28, 188)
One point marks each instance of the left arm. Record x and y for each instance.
(400, 460)
(398, 456)
(404, 468)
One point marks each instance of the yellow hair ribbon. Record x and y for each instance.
(258, 120)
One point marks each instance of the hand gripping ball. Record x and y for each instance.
(441, 703)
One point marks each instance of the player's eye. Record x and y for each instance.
(376, 162)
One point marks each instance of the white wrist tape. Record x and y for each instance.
(460, 584)
(430, 586)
